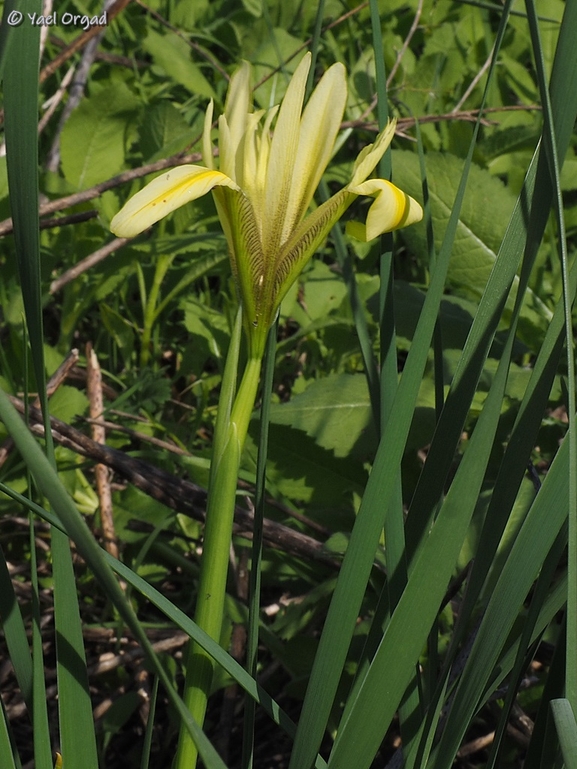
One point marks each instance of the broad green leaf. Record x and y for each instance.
(566, 731)
(323, 292)
(174, 56)
(165, 131)
(305, 472)
(68, 403)
(94, 138)
(487, 207)
(335, 411)
(208, 324)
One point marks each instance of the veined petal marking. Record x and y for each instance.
(307, 237)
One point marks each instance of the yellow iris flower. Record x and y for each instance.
(265, 184)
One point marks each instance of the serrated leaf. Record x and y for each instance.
(302, 471)
(92, 145)
(172, 54)
(323, 292)
(335, 411)
(164, 129)
(485, 214)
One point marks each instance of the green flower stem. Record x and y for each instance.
(229, 443)
(150, 314)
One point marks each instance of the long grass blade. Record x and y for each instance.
(49, 484)
(564, 717)
(15, 633)
(77, 736)
(545, 519)
(554, 167)
(352, 581)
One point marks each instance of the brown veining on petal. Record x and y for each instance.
(309, 236)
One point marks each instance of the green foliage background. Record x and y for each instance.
(159, 312)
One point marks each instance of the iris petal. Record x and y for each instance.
(368, 158)
(392, 209)
(165, 194)
(319, 127)
(282, 157)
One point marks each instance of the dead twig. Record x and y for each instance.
(60, 221)
(85, 264)
(93, 192)
(101, 472)
(177, 494)
(76, 91)
(79, 43)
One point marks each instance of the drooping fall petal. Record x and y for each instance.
(392, 209)
(165, 194)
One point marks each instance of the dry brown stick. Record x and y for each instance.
(85, 264)
(175, 449)
(167, 644)
(101, 472)
(51, 104)
(80, 41)
(94, 192)
(469, 115)
(177, 494)
(60, 221)
(166, 445)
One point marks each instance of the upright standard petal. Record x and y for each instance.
(319, 127)
(165, 194)
(237, 106)
(206, 140)
(391, 210)
(282, 157)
